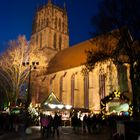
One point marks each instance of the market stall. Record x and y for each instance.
(52, 105)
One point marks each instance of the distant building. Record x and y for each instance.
(64, 72)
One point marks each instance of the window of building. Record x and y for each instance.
(47, 22)
(72, 89)
(61, 87)
(60, 42)
(40, 40)
(86, 90)
(54, 41)
(55, 22)
(39, 23)
(42, 23)
(63, 27)
(59, 24)
(36, 40)
(91, 80)
(101, 84)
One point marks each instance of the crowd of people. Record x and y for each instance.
(13, 121)
(50, 125)
(89, 123)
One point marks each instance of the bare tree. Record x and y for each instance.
(11, 65)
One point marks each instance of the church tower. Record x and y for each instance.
(50, 30)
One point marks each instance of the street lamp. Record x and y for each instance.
(31, 66)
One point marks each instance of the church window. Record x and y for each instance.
(38, 23)
(41, 22)
(60, 42)
(76, 81)
(86, 90)
(61, 87)
(63, 26)
(54, 41)
(55, 22)
(40, 40)
(53, 12)
(101, 84)
(47, 22)
(91, 81)
(59, 24)
(36, 40)
(72, 89)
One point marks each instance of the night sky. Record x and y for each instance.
(16, 18)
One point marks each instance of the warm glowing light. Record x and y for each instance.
(68, 106)
(60, 106)
(117, 94)
(52, 106)
(45, 103)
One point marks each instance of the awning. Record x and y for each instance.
(53, 103)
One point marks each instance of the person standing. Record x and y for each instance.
(56, 123)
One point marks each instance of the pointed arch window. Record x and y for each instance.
(55, 22)
(60, 42)
(72, 89)
(59, 24)
(47, 21)
(39, 23)
(61, 87)
(40, 40)
(86, 90)
(36, 40)
(63, 26)
(101, 83)
(54, 41)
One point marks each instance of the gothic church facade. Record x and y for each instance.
(64, 70)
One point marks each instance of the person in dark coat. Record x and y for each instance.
(56, 123)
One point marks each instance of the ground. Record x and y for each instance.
(66, 133)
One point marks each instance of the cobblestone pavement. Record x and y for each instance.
(66, 133)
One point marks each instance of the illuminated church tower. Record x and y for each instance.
(50, 30)
(49, 36)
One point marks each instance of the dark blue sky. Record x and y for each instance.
(16, 18)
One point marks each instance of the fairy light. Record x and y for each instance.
(115, 94)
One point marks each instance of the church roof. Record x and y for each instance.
(76, 55)
(70, 57)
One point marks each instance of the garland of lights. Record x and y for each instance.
(109, 98)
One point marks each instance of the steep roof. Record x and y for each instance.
(70, 57)
(51, 99)
(76, 55)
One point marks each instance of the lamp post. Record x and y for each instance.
(31, 66)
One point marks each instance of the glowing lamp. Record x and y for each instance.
(52, 106)
(60, 106)
(45, 103)
(68, 107)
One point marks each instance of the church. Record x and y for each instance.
(62, 67)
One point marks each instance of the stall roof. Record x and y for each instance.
(52, 99)
(52, 103)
